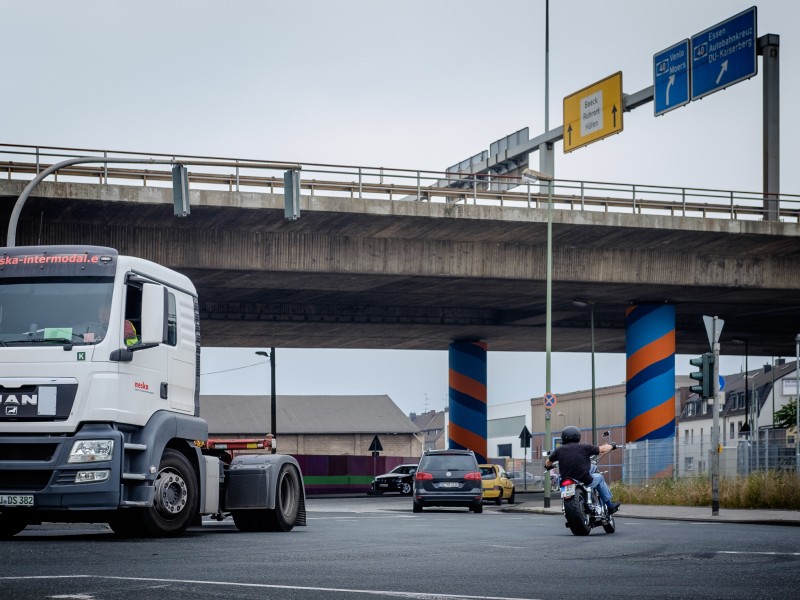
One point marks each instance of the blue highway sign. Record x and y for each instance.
(724, 54)
(671, 78)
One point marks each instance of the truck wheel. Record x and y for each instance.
(175, 499)
(11, 524)
(287, 506)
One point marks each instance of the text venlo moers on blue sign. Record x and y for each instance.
(724, 54)
(671, 78)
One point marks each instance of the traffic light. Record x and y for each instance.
(705, 376)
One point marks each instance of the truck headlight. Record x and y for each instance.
(84, 451)
(92, 476)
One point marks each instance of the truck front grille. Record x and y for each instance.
(24, 481)
(37, 452)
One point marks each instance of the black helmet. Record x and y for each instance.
(570, 435)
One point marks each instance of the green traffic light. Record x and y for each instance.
(705, 376)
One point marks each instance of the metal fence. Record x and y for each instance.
(648, 460)
(383, 183)
(769, 449)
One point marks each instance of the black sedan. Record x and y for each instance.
(400, 479)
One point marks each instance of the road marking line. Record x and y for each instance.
(398, 594)
(759, 553)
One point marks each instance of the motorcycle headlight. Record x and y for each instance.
(84, 451)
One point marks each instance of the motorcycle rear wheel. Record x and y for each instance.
(578, 515)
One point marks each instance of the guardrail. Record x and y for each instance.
(238, 174)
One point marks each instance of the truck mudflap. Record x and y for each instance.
(265, 492)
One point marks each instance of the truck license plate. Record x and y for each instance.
(15, 500)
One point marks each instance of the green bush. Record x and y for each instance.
(763, 489)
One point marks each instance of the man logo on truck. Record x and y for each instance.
(11, 411)
(11, 399)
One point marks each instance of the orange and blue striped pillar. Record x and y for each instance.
(467, 397)
(650, 383)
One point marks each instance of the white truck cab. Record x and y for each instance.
(99, 402)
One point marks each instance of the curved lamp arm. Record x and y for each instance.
(11, 237)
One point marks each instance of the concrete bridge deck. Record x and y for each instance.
(367, 273)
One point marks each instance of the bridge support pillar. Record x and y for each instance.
(650, 389)
(467, 397)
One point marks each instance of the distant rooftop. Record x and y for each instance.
(304, 415)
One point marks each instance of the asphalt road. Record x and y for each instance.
(375, 547)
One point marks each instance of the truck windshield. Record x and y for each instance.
(54, 310)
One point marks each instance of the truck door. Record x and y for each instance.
(162, 376)
(182, 341)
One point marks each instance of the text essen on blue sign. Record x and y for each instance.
(671, 78)
(724, 54)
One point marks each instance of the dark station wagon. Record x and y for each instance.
(448, 478)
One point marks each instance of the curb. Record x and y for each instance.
(667, 517)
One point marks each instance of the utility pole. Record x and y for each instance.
(797, 404)
(273, 400)
(717, 396)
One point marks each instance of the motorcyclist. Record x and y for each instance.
(574, 461)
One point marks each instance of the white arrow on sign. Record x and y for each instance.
(669, 85)
(722, 71)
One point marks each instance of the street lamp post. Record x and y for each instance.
(745, 430)
(797, 404)
(530, 175)
(272, 407)
(584, 304)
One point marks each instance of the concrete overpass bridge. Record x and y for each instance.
(386, 258)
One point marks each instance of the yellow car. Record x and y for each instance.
(496, 484)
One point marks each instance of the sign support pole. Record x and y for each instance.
(768, 47)
(717, 396)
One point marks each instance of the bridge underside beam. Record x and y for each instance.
(372, 274)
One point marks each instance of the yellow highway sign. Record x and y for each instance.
(593, 113)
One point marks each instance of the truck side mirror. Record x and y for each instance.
(154, 314)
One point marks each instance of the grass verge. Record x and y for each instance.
(764, 489)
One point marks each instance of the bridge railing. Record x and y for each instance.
(381, 183)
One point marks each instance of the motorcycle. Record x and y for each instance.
(581, 504)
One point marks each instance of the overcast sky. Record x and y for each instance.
(412, 84)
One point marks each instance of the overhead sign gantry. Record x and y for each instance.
(712, 60)
(724, 54)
